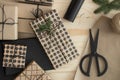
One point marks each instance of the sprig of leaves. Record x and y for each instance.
(46, 27)
(106, 6)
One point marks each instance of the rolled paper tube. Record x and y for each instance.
(73, 10)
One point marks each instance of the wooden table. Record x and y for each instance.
(78, 31)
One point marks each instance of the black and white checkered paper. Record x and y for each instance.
(33, 72)
(59, 47)
(14, 56)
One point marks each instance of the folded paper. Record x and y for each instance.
(33, 72)
(14, 56)
(8, 22)
(54, 39)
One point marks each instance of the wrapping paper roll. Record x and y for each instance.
(73, 10)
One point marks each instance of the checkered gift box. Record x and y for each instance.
(58, 46)
(33, 72)
(14, 56)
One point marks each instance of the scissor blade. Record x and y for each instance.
(91, 41)
(96, 40)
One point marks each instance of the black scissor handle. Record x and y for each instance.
(97, 56)
(105, 65)
(87, 73)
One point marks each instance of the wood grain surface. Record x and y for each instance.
(78, 31)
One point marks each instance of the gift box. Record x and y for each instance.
(34, 52)
(26, 16)
(33, 72)
(8, 22)
(54, 39)
(14, 56)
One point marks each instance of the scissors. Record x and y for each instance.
(93, 47)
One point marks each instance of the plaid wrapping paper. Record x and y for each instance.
(59, 47)
(14, 56)
(33, 72)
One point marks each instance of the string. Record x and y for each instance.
(37, 13)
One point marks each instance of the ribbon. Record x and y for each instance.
(5, 21)
(37, 13)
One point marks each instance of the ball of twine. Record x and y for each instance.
(116, 23)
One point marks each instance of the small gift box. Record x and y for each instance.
(54, 39)
(26, 16)
(34, 52)
(8, 22)
(33, 72)
(14, 56)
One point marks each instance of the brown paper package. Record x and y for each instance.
(10, 31)
(24, 29)
(109, 47)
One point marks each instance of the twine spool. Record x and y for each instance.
(116, 23)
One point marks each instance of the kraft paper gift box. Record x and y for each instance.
(34, 52)
(58, 46)
(14, 56)
(8, 22)
(33, 72)
(26, 16)
(109, 47)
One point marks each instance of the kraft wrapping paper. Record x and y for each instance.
(109, 47)
(10, 31)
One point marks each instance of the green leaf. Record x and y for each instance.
(115, 4)
(45, 27)
(101, 2)
(106, 6)
(100, 9)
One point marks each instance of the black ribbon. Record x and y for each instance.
(5, 20)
